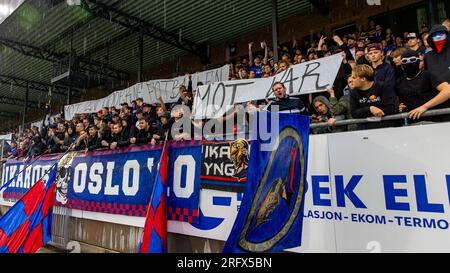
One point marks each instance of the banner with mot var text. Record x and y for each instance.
(213, 100)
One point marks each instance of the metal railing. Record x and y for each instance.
(403, 116)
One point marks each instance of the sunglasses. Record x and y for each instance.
(410, 60)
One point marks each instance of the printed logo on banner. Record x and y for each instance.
(225, 165)
(271, 215)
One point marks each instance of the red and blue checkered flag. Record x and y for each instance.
(155, 230)
(27, 226)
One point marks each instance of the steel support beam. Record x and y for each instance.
(5, 114)
(25, 105)
(18, 102)
(141, 56)
(85, 64)
(33, 85)
(275, 29)
(321, 5)
(135, 24)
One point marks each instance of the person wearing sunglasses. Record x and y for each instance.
(415, 87)
(437, 62)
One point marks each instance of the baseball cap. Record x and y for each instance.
(374, 46)
(411, 35)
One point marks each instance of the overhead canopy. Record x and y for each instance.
(104, 35)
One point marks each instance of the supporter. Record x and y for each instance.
(370, 98)
(20, 152)
(69, 139)
(383, 71)
(446, 24)
(396, 57)
(55, 138)
(139, 103)
(322, 49)
(415, 88)
(119, 137)
(128, 128)
(37, 148)
(104, 135)
(186, 97)
(164, 130)
(342, 106)
(413, 43)
(81, 143)
(284, 103)
(243, 74)
(93, 141)
(282, 66)
(390, 38)
(144, 135)
(325, 114)
(256, 64)
(437, 62)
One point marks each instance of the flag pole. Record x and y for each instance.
(36, 159)
(153, 190)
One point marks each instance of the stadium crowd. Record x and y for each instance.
(382, 73)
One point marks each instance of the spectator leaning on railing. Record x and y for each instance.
(371, 99)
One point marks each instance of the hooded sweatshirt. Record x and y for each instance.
(438, 63)
(328, 116)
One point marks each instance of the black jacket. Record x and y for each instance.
(36, 149)
(122, 139)
(438, 63)
(288, 105)
(381, 96)
(94, 143)
(144, 137)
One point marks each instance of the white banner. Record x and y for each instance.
(214, 100)
(149, 91)
(7, 137)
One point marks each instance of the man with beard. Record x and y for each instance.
(284, 103)
(93, 141)
(144, 135)
(437, 62)
(119, 137)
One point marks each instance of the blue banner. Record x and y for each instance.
(271, 214)
(117, 182)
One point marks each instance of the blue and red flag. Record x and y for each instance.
(27, 226)
(154, 238)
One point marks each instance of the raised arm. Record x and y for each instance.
(250, 54)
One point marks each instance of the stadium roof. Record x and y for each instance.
(104, 35)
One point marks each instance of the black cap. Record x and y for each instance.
(92, 126)
(146, 105)
(124, 104)
(410, 53)
(141, 99)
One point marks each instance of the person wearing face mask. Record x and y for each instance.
(415, 87)
(437, 62)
